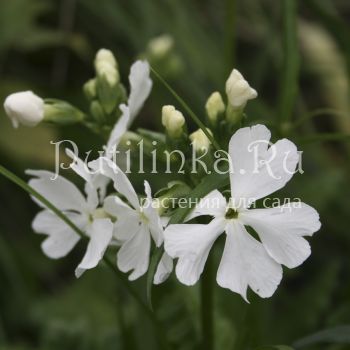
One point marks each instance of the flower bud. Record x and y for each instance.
(96, 111)
(200, 141)
(89, 89)
(61, 112)
(173, 121)
(24, 108)
(238, 90)
(214, 106)
(106, 66)
(160, 46)
(106, 56)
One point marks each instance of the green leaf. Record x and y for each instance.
(208, 184)
(336, 335)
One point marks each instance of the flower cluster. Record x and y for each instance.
(258, 241)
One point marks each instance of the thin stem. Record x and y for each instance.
(188, 110)
(207, 306)
(290, 69)
(15, 179)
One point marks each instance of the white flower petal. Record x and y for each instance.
(281, 229)
(164, 269)
(140, 87)
(213, 204)
(245, 263)
(79, 166)
(191, 245)
(257, 170)
(60, 192)
(127, 223)
(121, 182)
(155, 224)
(119, 129)
(91, 196)
(61, 238)
(100, 233)
(134, 254)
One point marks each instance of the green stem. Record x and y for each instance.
(188, 110)
(207, 306)
(15, 179)
(289, 88)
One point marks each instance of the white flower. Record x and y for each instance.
(247, 261)
(137, 222)
(24, 108)
(84, 212)
(173, 121)
(238, 90)
(140, 88)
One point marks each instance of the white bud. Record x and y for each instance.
(238, 90)
(104, 55)
(106, 66)
(214, 106)
(24, 108)
(161, 45)
(173, 121)
(200, 140)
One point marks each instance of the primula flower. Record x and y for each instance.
(137, 221)
(257, 171)
(140, 88)
(24, 108)
(84, 211)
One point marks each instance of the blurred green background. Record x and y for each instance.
(48, 46)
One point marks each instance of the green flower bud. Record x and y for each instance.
(214, 107)
(89, 89)
(61, 112)
(97, 112)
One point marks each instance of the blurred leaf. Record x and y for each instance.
(276, 347)
(337, 335)
(289, 84)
